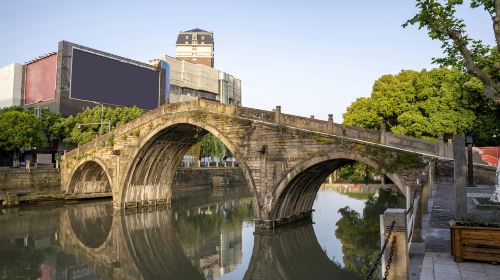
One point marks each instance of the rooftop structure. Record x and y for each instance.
(196, 46)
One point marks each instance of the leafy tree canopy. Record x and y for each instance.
(49, 121)
(20, 129)
(209, 146)
(86, 125)
(428, 103)
(462, 51)
(358, 172)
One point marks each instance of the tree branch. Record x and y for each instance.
(496, 23)
(489, 85)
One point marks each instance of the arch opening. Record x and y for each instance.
(153, 171)
(90, 177)
(295, 195)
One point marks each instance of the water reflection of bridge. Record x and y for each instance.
(292, 253)
(196, 242)
(197, 239)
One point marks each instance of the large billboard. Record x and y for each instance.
(40, 79)
(103, 79)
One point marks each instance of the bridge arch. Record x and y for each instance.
(159, 153)
(90, 176)
(296, 192)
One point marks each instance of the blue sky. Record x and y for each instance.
(310, 57)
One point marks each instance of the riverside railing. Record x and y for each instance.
(399, 227)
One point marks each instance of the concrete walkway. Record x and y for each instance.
(432, 259)
(442, 266)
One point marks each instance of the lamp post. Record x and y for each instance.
(102, 122)
(470, 162)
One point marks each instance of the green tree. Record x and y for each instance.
(49, 121)
(20, 129)
(86, 125)
(462, 51)
(212, 147)
(209, 146)
(357, 172)
(428, 103)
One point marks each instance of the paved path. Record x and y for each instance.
(432, 259)
(442, 266)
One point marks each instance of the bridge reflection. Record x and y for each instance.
(292, 253)
(194, 240)
(200, 238)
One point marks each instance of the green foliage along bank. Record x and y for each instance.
(24, 128)
(426, 104)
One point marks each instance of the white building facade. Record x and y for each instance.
(11, 77)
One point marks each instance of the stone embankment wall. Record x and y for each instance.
(203, 178)
(483, 175)
(20, 180)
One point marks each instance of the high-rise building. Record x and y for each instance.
(196, 46)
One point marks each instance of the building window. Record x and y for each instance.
(187, 37)
(187, 42)
(203, 37)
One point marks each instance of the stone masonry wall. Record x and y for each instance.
(20, 180)
(201, 178)
(483, 175)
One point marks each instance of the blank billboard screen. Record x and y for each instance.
(106, 80)
(40, 80)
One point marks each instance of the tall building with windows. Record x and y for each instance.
(196, 46)
(189, 80)
(191, 73)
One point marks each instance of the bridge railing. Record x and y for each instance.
(276, 117)
(375, 136)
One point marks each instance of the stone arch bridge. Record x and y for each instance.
(284, 158)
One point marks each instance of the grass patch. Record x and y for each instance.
(323, 140)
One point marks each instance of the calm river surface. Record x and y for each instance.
(206, 235)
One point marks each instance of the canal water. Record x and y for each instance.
(205, 235)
